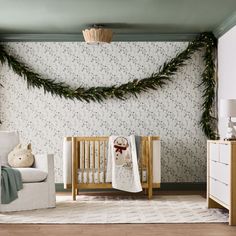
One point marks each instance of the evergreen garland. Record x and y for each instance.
(156, 80)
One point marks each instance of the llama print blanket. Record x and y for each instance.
(122, 164)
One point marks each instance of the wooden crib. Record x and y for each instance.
(86, 158)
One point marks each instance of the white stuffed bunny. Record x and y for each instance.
(21, 157)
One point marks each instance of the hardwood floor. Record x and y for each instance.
(120, 229)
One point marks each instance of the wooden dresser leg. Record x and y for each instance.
(232, 207)
(212, 204)
(232, 218)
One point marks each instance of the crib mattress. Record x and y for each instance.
(86, 176)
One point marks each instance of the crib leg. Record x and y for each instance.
(149, 193)
(74, 193)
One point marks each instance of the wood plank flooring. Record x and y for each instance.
(119, 230)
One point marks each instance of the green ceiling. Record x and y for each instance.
(66, 18)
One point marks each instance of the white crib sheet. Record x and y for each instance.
(89, 173)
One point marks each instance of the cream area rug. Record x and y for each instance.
(110, 210)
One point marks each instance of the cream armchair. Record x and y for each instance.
(38, 182)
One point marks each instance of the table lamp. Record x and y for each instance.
(228, 109)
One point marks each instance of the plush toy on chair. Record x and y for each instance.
(21, 157)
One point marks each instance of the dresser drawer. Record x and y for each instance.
(224, 153)
(214, 151)
(219, 190)
(219, 171)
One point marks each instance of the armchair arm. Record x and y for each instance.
(45, 162)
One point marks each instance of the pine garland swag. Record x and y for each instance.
(157, 80)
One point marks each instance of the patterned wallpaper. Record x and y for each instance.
(172, 112)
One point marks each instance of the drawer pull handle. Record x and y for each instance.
(216, 180)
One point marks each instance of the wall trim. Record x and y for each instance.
(185, 186)
(225, 26)
(79, 37)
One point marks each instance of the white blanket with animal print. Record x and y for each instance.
(122, 164)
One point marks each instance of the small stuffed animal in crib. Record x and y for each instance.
(21, 157)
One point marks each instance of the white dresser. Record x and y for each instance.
(221, 176)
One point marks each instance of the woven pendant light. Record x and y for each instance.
(97, 35)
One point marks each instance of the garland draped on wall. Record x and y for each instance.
(157, 80)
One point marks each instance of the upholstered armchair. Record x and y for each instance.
(38, 182)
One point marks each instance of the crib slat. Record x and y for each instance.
(104, 164)
(98, 161)
(88, 160)
(78, 165)
(141, 162)
(146, 160)
(83, 162)
(144, 157)
(78, 150)
(93, 159)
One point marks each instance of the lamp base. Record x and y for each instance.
(231, 132)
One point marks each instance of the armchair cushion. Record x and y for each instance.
(8, 140)
(32, 175)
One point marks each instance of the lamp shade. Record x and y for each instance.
(228, 107)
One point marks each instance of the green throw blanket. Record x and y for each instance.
(11, 182)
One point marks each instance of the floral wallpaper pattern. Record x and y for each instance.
(172, 112)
